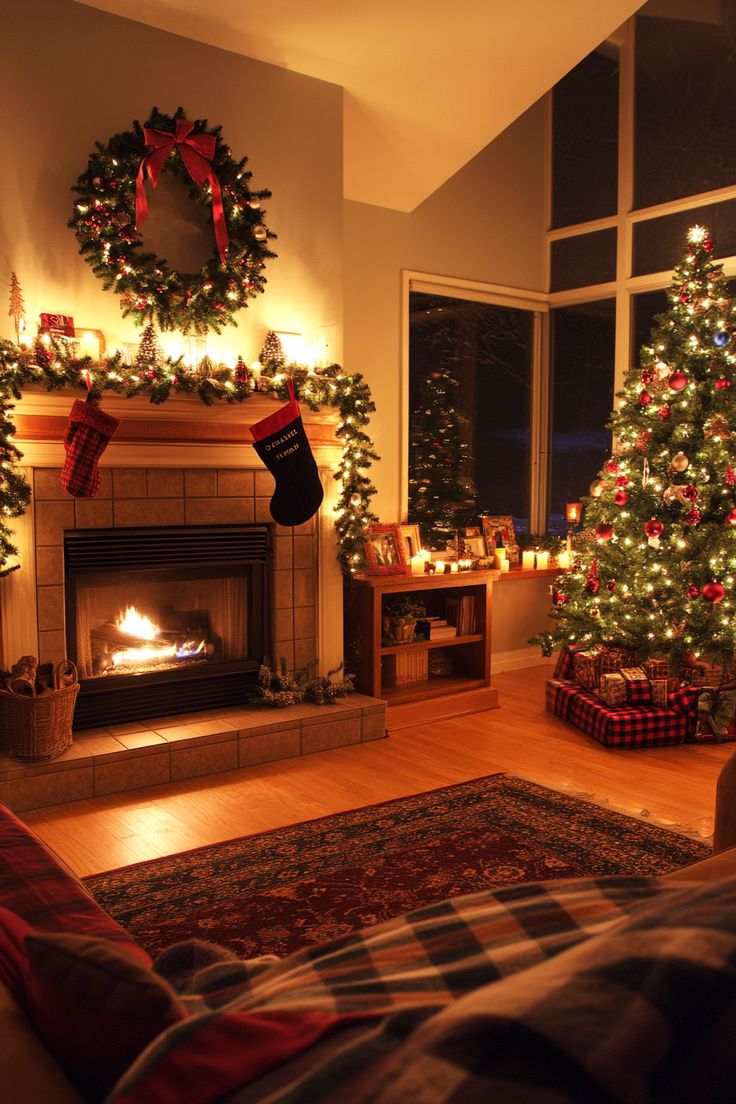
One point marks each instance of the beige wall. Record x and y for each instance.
(71, 75)
(485, 223)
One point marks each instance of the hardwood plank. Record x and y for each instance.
(671, 786)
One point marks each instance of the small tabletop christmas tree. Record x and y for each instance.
(655, 569)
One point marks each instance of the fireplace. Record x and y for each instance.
(166, 620)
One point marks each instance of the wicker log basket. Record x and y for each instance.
(37, 726)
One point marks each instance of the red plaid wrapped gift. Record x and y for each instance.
(638, 690)
(619, 726)
(566, 660)
(613, 659)
(587, 668)
(660, 691)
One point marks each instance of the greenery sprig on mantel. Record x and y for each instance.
(56, 367)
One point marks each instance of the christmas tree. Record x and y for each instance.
(441, 496)
(17, 306)
(654, 571)
(149, 357)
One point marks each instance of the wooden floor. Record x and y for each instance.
(670, 786)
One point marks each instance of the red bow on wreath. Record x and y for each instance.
(197, 151)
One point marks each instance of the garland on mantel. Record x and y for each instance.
(55, 366)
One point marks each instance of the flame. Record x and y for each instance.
(135, 624)
(134, 656)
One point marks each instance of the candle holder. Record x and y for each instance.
(573, 517)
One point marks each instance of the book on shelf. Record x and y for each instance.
(411, 667)
(461, 613)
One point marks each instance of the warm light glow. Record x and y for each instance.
(135, 624)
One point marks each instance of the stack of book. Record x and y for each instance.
(438, 628)
(411, 667)
(461, 613)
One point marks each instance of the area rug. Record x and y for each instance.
(275, 892)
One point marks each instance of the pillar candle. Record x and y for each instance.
(542, 560)
(439, 567)
(454, 568)
(563, 560)
(500, 554)
(527, 559)
(417, 565)
(505, 566)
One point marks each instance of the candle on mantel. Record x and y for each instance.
(417, 565)
(564, 560)
(454, 568)
(501, 559)
(465, 565)
(542, 561)
(425, 554)
(439, 567)
(527, 559)
(504, 567)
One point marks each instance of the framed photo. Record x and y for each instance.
(413, 539)
(472, 531)
(476, 546)
(499, 531)
(385, 551)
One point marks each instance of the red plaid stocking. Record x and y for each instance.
(86, 437)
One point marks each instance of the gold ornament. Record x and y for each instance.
(596, 488)
(671, 494)
(680, 462)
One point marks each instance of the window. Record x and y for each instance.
(470, 401)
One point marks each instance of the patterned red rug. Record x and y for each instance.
(323, 878)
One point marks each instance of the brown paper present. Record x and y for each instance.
(660, 688)
(703, 674)
(613, 688)
(633, 674)
(613, 659)
(657, 668)
(587, 668)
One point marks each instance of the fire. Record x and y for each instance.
(136, 624)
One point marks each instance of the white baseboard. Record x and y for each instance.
(514, 661)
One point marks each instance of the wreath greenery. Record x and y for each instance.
(104, 220)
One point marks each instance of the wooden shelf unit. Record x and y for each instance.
(470, 653)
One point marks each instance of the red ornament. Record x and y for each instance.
(714, 592)
(592, 585)
(690, 492)
(644, 398)
(647, 375)
(684, 297)
(603, 532)
(677, 381)
(693, 517)
(622, 480)
(612, 466)
(559, 598)
(723, 384)
(708, 245)
(730, 475)
(620, 498)
(693, 591)
(732, 516)
(611, 586)
(653, 528)
(663, 412)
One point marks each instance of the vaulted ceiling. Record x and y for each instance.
(427, 84)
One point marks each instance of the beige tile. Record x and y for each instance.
(49, 565)
(185, 736)
(130, 774)
(212, 727)
(307, 526)
(50, 789)
(46, 484)
(284, 650)
(283, 589)
(305, 588)
(52, 518)
(129, 482)
(235, 483)
(284, 555)
(219, 511)
(265, 483)
(50, 607)
(191, 762)
(201, 483)
(146, 741)
(374, 726)
(367, 703)
(159, 723)
(305, 622)
(271, 720)
(263, 510)
(73, 758)
(173, 733)
(165, 482)
(243, 718)
(105, 488)
(126, 727)
(93, 513)
(51, 647)
(330, 734)
(305, 652)
(335, 711)
(149, 511)
(304, 551)
(98, 746)
(283, 624)
(269, 746)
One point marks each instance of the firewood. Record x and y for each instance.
(23, 676)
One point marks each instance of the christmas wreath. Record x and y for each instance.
(112, 205)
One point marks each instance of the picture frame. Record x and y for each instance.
(412, 537)
(385, 551)
(472, 531)
(501, 526)
(476, 546)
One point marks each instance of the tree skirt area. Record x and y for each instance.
(277, 891)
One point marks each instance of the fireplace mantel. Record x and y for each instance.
(180, 436)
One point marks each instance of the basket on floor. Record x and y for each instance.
(38, 727)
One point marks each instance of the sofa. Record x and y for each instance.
(587, 990)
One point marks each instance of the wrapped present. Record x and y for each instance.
(613, 659)
(613, 688)
(587, 668)
(638, 690)
(657, 669)
(699, 673)
(619, 726)
(717, 714)
(565, 666)
(659, 691)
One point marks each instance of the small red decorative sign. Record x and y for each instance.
(59, 325)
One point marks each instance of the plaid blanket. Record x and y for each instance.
(381, 1014)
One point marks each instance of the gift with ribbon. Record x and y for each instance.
(197, 151)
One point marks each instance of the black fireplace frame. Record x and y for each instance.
(246, 549)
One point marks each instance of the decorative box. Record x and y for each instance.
(657, 668)
(622, 726)
(587, 668)
(613, 688)
(613, 659)
(638, 690)
(705, 674)
(659, 691)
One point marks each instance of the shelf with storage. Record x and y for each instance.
(421, 667)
